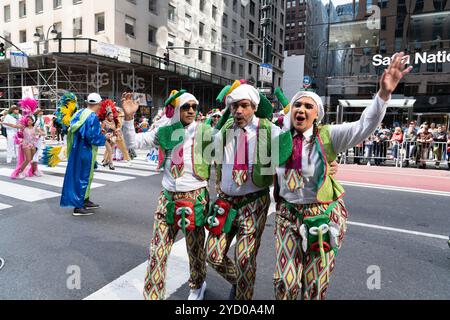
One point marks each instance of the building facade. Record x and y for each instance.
(148, 28)
(348, 46)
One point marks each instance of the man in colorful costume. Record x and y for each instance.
(244, 176)
(311, 216)
(84, 138)
(183, 203)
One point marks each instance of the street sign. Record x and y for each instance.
(265, 72)
(265, 90)
(19, 60)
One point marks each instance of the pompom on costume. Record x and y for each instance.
(67, 107)
(26, 138)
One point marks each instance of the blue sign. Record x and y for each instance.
(306, 80)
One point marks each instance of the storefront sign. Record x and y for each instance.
(419, 57)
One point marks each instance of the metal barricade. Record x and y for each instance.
(424, 153)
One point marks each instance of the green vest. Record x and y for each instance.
(201, 161)
(329, 190)
(259, 179)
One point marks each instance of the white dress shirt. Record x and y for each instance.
(228, 185)
(9, 119)
(343, 136)
(187, 182)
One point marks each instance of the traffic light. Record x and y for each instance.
(166, 58)
(2, 50)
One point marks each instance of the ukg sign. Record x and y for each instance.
(419, 57)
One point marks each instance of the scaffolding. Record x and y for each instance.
(75, 65)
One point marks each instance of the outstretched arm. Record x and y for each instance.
(347, 135)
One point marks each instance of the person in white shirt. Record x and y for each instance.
(39, 126)
(183, 203)
(311, 216)
(11, 122)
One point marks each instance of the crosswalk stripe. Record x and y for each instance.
(4, 206)
(135, 166)
(50, 180)
(28, 194)
(97, 175)
(128, 171)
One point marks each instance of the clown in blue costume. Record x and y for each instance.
(84, 138)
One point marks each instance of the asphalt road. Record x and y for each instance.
(43, 244)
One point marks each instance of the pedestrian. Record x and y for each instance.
(396, 140)
(410, 141)
(27, 139)
(41, 130)
(183, 202)
(311, 217)
(84, 138)
(439, 145)
(11, 123)
(448, 149)
(424, 141)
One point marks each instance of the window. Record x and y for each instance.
(224, 64)
(40, 31)
(201, 29)
(235, 5)
(189, 1)
(132, 1)
(58, 28)
(242, 32)
(233, 67)
(171, 13)
(200, 54)
(7, 13)
(214, 12)
(213, 35)
(23, 36)
(187, 21)
(56, 4)
(77, 1)
(186, 51)
(39, 7)
(234, 26)
(241, 70)
(77, 27)
(251, 27)
(213, 59)
(202, 5)
(153, 6)
(130, 25)
(100, 22)
(22, 9)
(250, 68)
(225, 20)
(171, 40)
(252, 8)
(241, 51)
(151, 34)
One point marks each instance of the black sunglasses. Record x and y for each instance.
(187, 107)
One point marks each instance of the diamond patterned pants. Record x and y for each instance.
(163, 238)
(296, 272)
(247, 228)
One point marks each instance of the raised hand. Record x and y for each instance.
(129, 105)
(392, 75)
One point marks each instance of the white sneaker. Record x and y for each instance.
(37, 173)
(20, 176)
(129, 163)
(197, 294)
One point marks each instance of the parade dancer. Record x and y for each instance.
(84, 138)
(183, 202)
(27, 139)
(311, 216)
(244, 176)
(11, 122)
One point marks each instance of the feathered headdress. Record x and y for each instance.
(106, 107)
(28, 107)
(67, 107)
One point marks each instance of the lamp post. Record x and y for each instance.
(37, 36)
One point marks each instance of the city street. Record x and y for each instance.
(398, 225)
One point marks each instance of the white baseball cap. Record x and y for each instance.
(94, 98)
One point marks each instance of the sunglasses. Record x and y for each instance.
(216, 116)
(187, 107)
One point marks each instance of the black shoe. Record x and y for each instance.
(111, 166)
(78, 212)
(232, 295)
(89, 205)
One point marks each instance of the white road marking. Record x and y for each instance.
(97, 175)
(129, 171)
(392, 188)
(416, 233)
(28, 194)
(49, 180)
(4, 206)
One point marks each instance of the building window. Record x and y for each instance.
(151, 34)
(251, 27)
(213, 59)
(241, 70)
(234, 26)
(56, 4)
(187, 44)
(214, 12)
(77, 27)
(171, 13)
(189, 1)
(39, 7)
(40, 31)
(242, 12)
(242, 32)
(225, 20)
(58, 28)
(23, 36)
(235, 5)
(100, 22)
(132, 1)
(170, 40)
(153, 6)
(252, 8)
(22, 9)
(202, 5)
(200, 54)
(130, 25)
(187, 21)
(233, 67)
(213, 35)
(250, 69)
(224, 64)
(7, 13)
(77, 1)
(201, 29)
